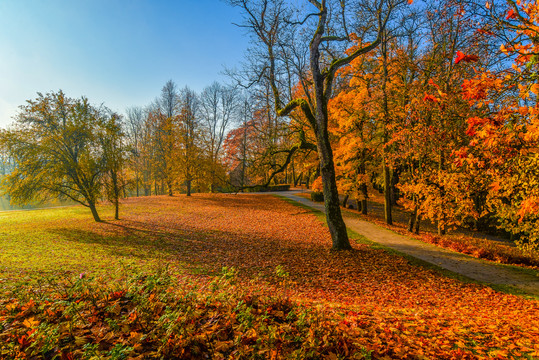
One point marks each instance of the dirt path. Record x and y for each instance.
(477, 269)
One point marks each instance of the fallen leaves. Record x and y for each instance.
(250, 276)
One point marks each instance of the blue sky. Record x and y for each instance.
(116, 52)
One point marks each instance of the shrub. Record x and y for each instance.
(260, 188)
(317, 196)
(317, 184)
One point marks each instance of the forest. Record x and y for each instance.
(429, 105)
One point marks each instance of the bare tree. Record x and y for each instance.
(218, 105)
(326, 25)
(134, 132)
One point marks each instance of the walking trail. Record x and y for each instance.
(473, 268)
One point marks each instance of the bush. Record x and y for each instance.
(317, 185)
(260, 188)
(284, 187)
(317, 196)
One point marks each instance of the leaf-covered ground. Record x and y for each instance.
(71, 288)
(465, 241)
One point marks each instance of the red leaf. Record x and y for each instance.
(430, 98)
(466, 58)
(511, 14)
(459, 57)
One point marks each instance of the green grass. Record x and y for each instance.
(67, 240)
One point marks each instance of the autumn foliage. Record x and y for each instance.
(443, 121)
(446, 127)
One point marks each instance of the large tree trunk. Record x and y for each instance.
(334, 219)
(93, 209)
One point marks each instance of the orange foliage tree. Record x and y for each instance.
(506, 138)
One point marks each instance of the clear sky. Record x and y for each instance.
(116, 52)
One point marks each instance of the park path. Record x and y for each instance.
(476, 269)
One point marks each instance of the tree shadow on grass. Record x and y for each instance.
(254, 243)
(313, 265)
(208, 249)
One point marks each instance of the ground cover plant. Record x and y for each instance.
(238, 277)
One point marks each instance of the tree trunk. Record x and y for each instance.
(116, 209)
(116, 193)
(387, 196)
(169, 186)
(364, 206)
(93, 209)
(417, 222)
(188, 183)
(363, 187)
(441, 228)
(345, 201)
(411, 222)
(387, 175)
(334, 219)
(137, 182)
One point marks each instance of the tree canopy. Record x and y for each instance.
(60, 147)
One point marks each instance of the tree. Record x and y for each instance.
(218, 106)
(266, 20)
(56, 151)
(505, 130)
(189, 149)
(166, 118)
(134, 132)
(354, 129)
(114, 156)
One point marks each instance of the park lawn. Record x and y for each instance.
(233, 276)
